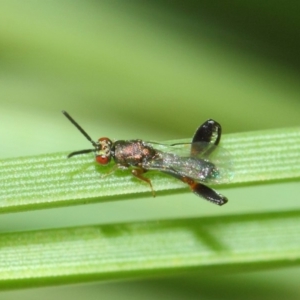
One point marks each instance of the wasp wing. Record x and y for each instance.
(207, 167)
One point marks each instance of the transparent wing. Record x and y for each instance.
(201, 161)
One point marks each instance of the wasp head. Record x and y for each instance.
(103, 150)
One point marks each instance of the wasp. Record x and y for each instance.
(192, 163)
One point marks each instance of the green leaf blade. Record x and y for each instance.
(52, 180)
(117, 251)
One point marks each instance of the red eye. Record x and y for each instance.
(102, 160)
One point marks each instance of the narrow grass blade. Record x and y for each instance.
(53, 180)
(71, 255)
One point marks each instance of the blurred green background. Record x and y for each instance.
(153, 70)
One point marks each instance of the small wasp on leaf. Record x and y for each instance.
(195, 163)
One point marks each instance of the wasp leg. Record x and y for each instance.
(200, 189)
(139, 174)
(209, 194)
(205, 192)
(110, 171)
(209, 132)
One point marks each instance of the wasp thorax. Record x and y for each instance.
(103, 152)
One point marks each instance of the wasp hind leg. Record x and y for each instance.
(205, 192)
(200, 189)
(208, 133)
(110, 171)
(138, 173)
(209, 194)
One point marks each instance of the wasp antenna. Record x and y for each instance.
(79, 128)
(81, 152)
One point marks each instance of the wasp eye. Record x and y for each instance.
(102, 159)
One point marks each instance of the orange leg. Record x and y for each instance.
(139, 174)
(204, 191)
(110, 171)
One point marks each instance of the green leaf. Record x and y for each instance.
(114, 251)
(144, 248)
(52, 180)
